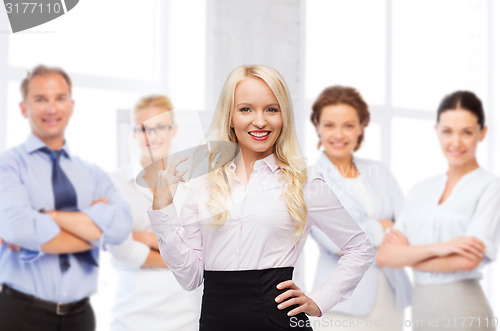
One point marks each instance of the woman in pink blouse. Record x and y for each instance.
(244, 224)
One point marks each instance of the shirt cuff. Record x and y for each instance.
(164, 220)
(46, 229)
(99, 243)
(375, 232)
(101, 214)
(325, 299)
(490, 249)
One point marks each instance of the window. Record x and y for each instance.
(149, 54)
(346, 45)
(80, 40)
(437, 51)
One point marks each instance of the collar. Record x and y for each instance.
(267, 162)
(33, 144)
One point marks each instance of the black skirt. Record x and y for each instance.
(244, 300)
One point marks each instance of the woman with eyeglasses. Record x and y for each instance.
(139, 302)
(246, 223)
(449, 227)
(370, 193)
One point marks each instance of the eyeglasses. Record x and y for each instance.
(156, 130)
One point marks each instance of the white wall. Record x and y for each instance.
(255, 32)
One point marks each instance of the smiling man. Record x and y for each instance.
(55, 212)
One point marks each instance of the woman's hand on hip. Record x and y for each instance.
(294, 296)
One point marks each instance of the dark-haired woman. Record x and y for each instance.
(449, 226)
(369, 192)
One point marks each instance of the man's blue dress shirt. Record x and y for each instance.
(26, 190)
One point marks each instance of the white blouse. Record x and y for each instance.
(259, 232)
(361, 191)
(472, 209)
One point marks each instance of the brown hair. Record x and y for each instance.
(155, 100)
(342, 95)
(41, 70)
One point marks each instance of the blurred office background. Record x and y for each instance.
(403, 56)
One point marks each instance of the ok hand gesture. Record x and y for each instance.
(166, 184)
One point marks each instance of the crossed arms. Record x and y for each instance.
(461, 253)
(106, 221)
(77, 231)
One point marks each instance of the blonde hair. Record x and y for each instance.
(286, 149)
(155, 100)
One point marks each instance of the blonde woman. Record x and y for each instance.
(450, 227)
(245, 225)
(141, 271)
(370, 193)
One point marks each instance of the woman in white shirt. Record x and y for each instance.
(139, 304)
(449, 227)
(371, 195)
(247, 221)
